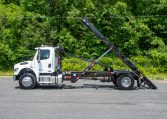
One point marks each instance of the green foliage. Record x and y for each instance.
(6, 56)
(136, 27)
(113, 62)
(75, 64)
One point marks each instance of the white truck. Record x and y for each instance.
(45, 69)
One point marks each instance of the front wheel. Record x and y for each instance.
(27, 81)
(125, 82)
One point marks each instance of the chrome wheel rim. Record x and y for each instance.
(27, 81)
(126, 82)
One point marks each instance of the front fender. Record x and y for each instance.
(26, 70)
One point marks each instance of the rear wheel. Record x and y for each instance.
(125, 82)
(27, 81)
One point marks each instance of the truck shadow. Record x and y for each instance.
(84, 86)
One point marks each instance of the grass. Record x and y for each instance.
(159, 76)
(6, 73)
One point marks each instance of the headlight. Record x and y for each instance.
(16, 69)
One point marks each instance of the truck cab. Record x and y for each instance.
(45, 68)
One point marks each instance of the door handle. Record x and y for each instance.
(49, 65)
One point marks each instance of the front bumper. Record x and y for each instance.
(14, 78)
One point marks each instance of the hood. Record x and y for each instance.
(23, 64)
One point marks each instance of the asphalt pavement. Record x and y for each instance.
(83, 100)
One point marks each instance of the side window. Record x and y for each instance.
(44, 54)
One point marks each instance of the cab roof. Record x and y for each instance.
(46, 47)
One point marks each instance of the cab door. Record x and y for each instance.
(45, 62)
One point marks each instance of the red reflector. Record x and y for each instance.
(68, 77)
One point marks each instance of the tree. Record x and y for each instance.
(136, 27)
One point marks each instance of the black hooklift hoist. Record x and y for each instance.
(142, 80)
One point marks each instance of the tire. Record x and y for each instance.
(27, 81)
(125, 82)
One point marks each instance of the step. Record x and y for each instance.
(44, 82)
(46, 76)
